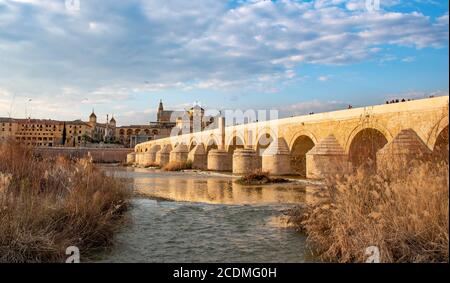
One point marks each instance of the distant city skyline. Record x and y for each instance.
(122, 57)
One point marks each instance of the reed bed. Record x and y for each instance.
(404, 213)
(47, 205)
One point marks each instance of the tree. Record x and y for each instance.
(64, 134)
(85, 138)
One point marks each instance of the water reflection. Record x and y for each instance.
(208, 219)
(193, 187)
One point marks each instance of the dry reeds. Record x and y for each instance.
(404, 214)
(49, 205)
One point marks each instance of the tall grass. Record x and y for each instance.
(49, 205)
(403, 212)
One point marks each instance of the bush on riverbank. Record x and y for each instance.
(405, 215)
(258, 178)
(177, 166)
(152, 165)
(50, 205)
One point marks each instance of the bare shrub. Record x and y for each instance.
(50, 205)
(258, 178)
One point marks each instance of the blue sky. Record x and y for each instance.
(120, 57)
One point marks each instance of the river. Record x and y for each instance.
(206, 217)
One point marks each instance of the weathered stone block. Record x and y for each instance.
(197, 156)
(402, 151)
(139, 158)
(179, 154)
(244, 161)
(219, 160)
(276, 159)
(326, 158)
(152, 153)
(131, 158)
(163, 155)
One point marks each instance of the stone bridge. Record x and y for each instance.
(309, 145)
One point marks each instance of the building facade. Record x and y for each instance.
(41, 132)
(53, 133)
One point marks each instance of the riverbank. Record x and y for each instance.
(49, 205)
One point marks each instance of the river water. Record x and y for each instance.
(204, 217)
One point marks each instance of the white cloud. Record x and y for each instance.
(323, 78)
(112, 50)
(409, 59)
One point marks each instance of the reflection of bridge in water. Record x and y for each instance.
(312, 145)
(216, 190)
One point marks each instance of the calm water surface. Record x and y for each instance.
(201, 217)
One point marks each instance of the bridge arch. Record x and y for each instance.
(440, 144)
(436, 131)
(236, 141)
(387, 134)
(364, 145)
(263, 140)
(300, 145)
(301, 133)
(192, 143)
(212, 143)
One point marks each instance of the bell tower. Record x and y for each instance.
(93, 119)
(160, 110)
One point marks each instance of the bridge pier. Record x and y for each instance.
(179, 154)
(152, 152)
(219, 160)
(131, 158)
(163, 155)
(326, 158)
(146, 159)
(138, 159)
(198, 157)
(276, 159)
(244, 161)
(403, 150)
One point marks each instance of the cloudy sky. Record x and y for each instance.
(121, 56)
